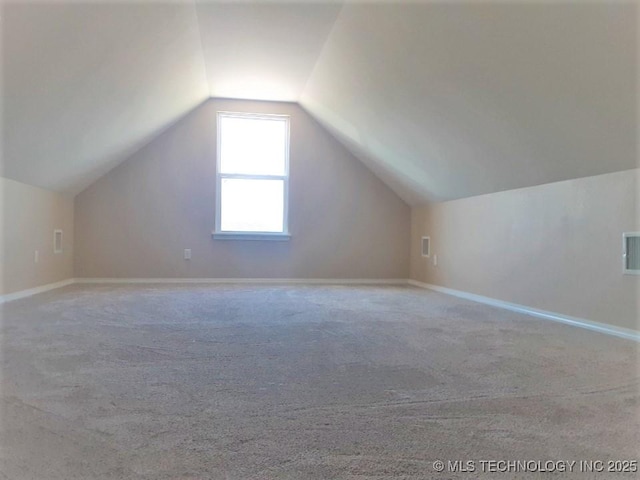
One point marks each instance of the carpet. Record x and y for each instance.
(297, 382)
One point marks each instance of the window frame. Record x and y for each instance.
(220, 234)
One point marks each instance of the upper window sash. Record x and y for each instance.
(253, 144)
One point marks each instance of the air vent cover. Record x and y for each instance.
(631, 252)
(426, 246)
(57, 241)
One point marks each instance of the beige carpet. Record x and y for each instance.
(281, 382)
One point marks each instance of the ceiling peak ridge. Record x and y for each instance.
(324, 46)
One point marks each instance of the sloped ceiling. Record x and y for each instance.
(441, 100)
(263, 51)
(85, 85)
(448, 100)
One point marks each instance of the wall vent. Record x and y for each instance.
(57, 241)
(631, 253)
(426, 246)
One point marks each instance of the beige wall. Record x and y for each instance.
(554, 247)
(29, 215)
(137, 220)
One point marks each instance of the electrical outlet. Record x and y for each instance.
(187, 254)
(36, 256)
(435, 260)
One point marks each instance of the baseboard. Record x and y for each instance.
(33, 291)
(286, 281)
(556, 317)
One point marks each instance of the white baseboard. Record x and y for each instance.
(292, 281)
(557, 317)
(514, 307)
(33, 291)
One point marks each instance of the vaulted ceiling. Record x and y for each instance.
(441, 100)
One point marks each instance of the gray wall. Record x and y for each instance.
(28, 217)
(137, 220)
(554, 247)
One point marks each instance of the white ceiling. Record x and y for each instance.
(441, 100)
(451, 100)
(262, 51)
(85, 85)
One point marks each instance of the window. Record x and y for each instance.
(252, 176)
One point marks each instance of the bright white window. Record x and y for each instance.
(252, 176)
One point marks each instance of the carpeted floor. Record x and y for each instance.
(303, 382)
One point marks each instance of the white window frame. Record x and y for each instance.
(219, 234)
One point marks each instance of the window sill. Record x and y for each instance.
(273, 237)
